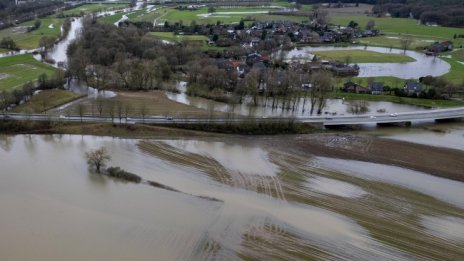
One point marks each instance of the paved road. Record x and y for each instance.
(324, 120)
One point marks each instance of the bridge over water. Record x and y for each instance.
(405, 117)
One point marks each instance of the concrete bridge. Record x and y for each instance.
(405, 117)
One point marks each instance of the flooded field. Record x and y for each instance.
(423, 66)
(237, 198)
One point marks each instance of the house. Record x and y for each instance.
(354, 88)
(345, 70)
(376, 88)
(413, 87)
(439, 47)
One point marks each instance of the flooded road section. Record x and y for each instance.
(271, 203)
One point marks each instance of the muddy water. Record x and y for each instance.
(447, 135)
(335, 106)
(268, 198)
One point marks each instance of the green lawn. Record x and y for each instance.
(47, 100)
(17, 70)
(361, 56)
(404, 26)
(172, 16)
(30, 40)
(401, 100)
(393, 40)
(178, 38)
(93, 8)
(391, 81)
(456, 74)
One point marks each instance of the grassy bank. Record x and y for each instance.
(47, 100)
(17, 70)
(361, 56)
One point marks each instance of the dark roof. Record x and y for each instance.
(413, 86)
(376, 86)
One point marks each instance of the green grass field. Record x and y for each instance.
(92, 8)
(172, 16)
(393, 40)
(47, 100)
(396, 27)
(361, 56)
(456, 60)
(30, 40)
(17, 70)
(178, 38)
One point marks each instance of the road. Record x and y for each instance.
(438, 114)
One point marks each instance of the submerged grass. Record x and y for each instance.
(361, 56)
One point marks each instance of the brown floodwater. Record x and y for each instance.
(271, 203)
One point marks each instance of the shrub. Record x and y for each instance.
(117, 172)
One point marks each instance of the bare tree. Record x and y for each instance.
(97, 159)
(370, 25)
(80, 110)
(358, 107)
(143, 111)
(322, 85)
(406, 42)
(119, 110)
(100, 107)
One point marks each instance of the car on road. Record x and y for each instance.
(372, 117)
(169, 118)
(394, 115)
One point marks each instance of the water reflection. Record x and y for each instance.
(334, 106)
(58, 53)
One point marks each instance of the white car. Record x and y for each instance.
(394, 115)
(372, 117)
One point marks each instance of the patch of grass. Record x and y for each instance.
(178, 38)
(401, 100)
(393, 40)
(19, 69)
(46, 100)
(456, 74)
(173, 15)
(404, 26)
(361, 56)
(93, 8)
(111, 19)
(30, 40)
(150, 102)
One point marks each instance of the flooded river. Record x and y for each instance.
(270, 203)
(422, 66)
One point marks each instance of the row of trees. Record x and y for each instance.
(446, 13)
(269, 87)
(11, 13)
